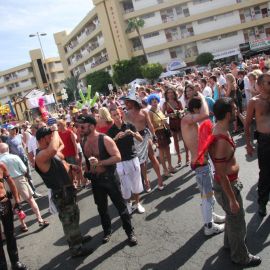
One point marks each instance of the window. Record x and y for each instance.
(153, 54)
(148, 15)
(197, 2)
(153, 34)
(232, 34)
(205, 20)
(257, 10)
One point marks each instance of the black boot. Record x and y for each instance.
(19, 266)
(262, 210)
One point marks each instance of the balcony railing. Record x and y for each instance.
(128, 10)
(100, 60)
(137, 48)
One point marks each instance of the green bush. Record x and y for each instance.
(204, 59)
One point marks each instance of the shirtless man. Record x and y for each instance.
(259, 106)
(6, 216)
(227, 185)
(140, 119)
(103, 154)
(198, 111)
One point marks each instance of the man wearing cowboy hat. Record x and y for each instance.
(141, 120)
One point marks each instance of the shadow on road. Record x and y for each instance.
(171, 203)
(220, 260)
(181, 256)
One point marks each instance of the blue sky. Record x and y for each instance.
(19, 18)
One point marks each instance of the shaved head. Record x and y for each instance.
(4, 148)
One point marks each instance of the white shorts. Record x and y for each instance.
(130, 177)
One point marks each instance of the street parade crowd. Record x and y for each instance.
(107, 147)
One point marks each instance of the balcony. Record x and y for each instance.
(128, 6)
(137, 48)
(100, 60)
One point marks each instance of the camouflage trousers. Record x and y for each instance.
(235, 225)
(69, 215)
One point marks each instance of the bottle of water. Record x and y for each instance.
(21, 215)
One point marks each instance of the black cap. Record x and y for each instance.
(86, 119)
(42, 132)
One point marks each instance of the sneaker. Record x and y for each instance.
(19, 266)
(148, 190)
(139, 207)
(253, 261)
(106, 238)
(129, 208)
(215, 229)
(132, 239)
(218, 218)
(262, 210)
(82, 252)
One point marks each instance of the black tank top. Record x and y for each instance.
(103, 154)
(56, 177)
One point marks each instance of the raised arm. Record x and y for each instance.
(44, 157)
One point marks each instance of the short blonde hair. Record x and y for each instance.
(105, 114)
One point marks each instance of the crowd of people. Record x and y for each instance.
(107, 148)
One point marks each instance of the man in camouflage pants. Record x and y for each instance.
(57, 175)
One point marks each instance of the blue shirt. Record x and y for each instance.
(210, 103)
(14, 164)
(15, 145)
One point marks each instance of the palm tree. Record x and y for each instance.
(71, 85)
(136, 24)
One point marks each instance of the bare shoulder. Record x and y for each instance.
(108, 140)
(187, 119)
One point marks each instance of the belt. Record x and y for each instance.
(231, 177)
(194, 166)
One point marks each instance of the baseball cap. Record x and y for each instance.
(42, 132)
(86, 119)
(11, 127)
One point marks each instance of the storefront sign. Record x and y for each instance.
(260, 43)
(227, 53)
(176, 64)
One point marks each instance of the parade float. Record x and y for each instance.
(34, 104)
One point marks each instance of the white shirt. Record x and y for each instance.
(68, 118)
(207, 91)
(221, 80)
(246, 83)
(32, 145)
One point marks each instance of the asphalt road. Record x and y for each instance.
(170, 233)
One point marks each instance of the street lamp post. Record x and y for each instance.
(47, 73)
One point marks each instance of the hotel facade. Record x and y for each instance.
(173, 29)
(37, 74)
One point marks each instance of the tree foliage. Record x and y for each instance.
(151, 71)
(136, 24)
(99, 81)
(125, 71)
(71, 86)
(204, 58)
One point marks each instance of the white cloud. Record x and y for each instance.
(21, 18)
